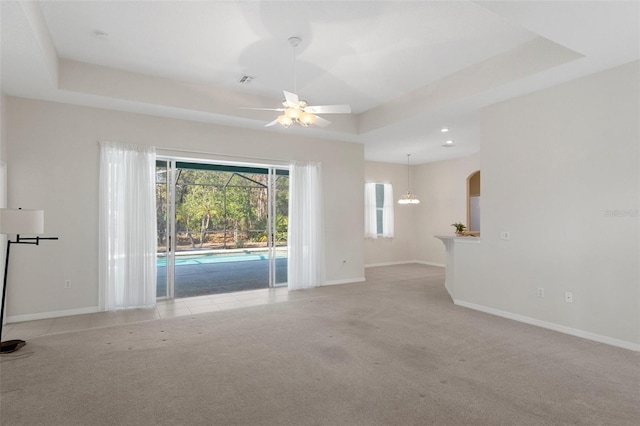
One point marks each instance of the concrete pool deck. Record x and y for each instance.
(221, 277)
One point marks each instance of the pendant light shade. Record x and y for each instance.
(408, 197)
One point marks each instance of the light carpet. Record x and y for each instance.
(393, 350)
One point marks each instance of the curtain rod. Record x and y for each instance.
(218, 154)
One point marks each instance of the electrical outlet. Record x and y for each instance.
(67, 283)
(540, 292)
(568, 297)
(505, 235)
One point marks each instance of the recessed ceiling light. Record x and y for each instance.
(444, 130)
(448, 144)
(101, 35)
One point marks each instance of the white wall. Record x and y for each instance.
(400, 248)
(53, 157)
(442, 190)
(3, 185)
(3, 127)
(554, 163)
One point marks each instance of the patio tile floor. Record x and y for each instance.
(163, 309)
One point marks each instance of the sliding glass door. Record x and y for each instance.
(164, 225)
(221, 228)
(280, 223)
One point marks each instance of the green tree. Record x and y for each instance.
(209, 200)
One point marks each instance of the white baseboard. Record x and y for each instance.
(55, 314)
(403, 262)
(440, 265)
(347, 281)
(552, 326)
(449, 292)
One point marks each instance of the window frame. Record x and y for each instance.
(379, 207)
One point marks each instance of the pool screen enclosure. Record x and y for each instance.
(221, 228)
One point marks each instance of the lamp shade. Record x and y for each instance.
(19, 221)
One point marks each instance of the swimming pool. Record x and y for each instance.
(203, 259)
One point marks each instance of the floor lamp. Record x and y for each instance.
(18, 221)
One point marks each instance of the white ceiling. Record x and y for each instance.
(407, 68)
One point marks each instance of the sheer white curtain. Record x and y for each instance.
(370, 216)
(127, 247)
(387, 211)
(306, 226)
(371, 210)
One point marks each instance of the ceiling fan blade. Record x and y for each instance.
(321, 122)
(273, 123)
(328, 109)
(292, 99)
(263, 109)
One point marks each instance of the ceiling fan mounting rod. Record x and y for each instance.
(294, 41)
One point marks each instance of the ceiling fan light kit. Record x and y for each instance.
(297, 115)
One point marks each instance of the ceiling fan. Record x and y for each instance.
(298, 111)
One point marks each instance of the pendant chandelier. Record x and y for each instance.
(409, 197)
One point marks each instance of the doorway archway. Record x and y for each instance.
(473, 203)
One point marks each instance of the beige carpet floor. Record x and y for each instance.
(390, 351)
